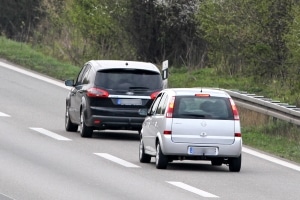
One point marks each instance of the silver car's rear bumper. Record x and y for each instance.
(168, 147)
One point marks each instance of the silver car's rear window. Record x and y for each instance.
(202, 107)
(128, 79)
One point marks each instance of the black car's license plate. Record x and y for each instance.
(129, 102)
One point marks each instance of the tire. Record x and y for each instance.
(235, 164)
(69, 126)
(144, 158)
(161, 161)
(85, 131)
(217, 162)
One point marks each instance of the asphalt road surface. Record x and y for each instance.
(39, 160)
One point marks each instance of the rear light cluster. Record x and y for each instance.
(234, 110)
(235, 115)
(154, 94)
(170, 108)
(96, 92)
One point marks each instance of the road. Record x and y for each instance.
(41, 161)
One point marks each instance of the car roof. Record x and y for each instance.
(119, 64)
(216, 92)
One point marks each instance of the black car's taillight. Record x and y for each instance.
(154, 94)
(96, 92)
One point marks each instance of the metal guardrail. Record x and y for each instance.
(267, 106)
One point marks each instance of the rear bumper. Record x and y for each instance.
(181, 149)
(115, 122)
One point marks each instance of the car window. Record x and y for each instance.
(155, 104)
(128, 79)
(162, 105)
(82, 74)
(200, 107)
(86, 78)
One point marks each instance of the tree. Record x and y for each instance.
(18, 19)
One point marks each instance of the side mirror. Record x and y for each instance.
(69, 83)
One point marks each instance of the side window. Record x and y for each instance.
(81, 75)
(86, 77)
(155, 104)
(162, 105)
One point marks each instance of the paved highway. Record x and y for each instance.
(41, 161)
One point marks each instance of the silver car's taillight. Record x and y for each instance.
(170, 108)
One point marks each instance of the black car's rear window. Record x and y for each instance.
(202, 107)
(128, 78)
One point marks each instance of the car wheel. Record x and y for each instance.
(68, 124)
(144, 158)
(161, 161)
(235, 164)
(85, 131)
(217, 161)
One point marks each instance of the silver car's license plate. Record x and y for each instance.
(208, 151)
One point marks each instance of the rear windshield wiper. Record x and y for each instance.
(138, 88)
(195, 115)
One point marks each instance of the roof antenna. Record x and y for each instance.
(201, 90)
(126, 63)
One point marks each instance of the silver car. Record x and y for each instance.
(192, 124)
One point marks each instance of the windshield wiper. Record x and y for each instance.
(138, 88)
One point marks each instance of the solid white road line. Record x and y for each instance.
(192, 189)
(271, 159)
(4, 115)
(116, 160)
(34, 75)
(50, 134)
(6, 197)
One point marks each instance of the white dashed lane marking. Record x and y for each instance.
(50, 134)
(116, 160)
(192, 189)
(4, 115)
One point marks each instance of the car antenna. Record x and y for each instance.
(201, 90)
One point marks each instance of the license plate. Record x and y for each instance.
(207, 151)
(129, 102)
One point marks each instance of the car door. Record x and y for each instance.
(149, 126)
(76, 94)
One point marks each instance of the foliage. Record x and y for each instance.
(18, 19)
(166, 29)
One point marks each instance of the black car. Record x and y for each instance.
(110, 94)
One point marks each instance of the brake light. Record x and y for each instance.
(237, 135)
(234, 110)
(167, 132)
(154, 95)
(170, 108)
(96, 92)
(202, 95)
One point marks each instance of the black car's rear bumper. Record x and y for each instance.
(115, 122)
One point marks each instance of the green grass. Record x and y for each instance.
(277, 144)
(281, 139)
(26, 56)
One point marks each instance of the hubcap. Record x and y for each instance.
(157, 154)
(81, 122)
(67, 117)
(141, 149)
